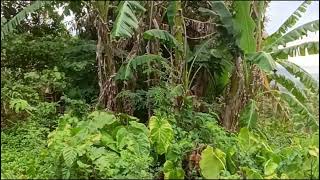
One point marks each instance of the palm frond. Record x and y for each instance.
(295, 104)
(305, 78)
(126, 22)
(297, 50)
(293, 35)
(291, 21)
(290, 86)
(15, 21)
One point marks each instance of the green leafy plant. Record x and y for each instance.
(161, 134)
(171, 171)
(90, 145)
(212, 162)
(126, 22)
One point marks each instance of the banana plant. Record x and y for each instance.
(268, 53)
(124, 26)
(9, 26)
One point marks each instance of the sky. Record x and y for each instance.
(279, 11)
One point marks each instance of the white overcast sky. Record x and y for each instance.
(279, 11)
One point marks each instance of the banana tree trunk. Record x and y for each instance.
(235, 99)
(178, 34)
(106, 68)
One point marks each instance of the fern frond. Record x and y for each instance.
(297, 50)
(305, 78)
(126, 21)
(15, 21)
(69, 155)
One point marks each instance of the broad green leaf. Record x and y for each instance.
(126, 21)
(270, 167)
(95, 153)
(134, 138)
(126, 71)
(100, 119)
(108, 141)
(123, 139)
(230, 163)
(212, 163)
(171, 171)
(164, 37)
(245, 24)
(249, 115)
(220, 9)
(138, 127)
(251, 173)
(171, 12)
(246, 140)
(263, 60)
(161, 134)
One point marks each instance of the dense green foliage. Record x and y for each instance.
(132, 97)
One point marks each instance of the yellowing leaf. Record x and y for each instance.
(212, 162)
(270, 167)
(314, 152)
(161, 134)
(251, 173)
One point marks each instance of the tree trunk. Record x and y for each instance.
(178, 34)
(235, 100)
(106, 68)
